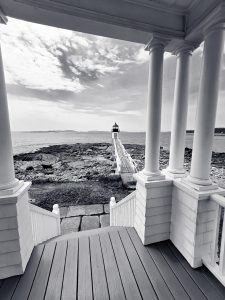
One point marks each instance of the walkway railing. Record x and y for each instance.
(123, 212)
(216, 261)
(45, 224)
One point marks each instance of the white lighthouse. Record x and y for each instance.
(115, 131)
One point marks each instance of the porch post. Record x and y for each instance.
(207, 106)
(7, 174)
(153, 191)
(180, 109)
(152, 143)
(15, 220)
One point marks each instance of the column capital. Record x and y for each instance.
(213, 27)
(158, 41)
(186, 47)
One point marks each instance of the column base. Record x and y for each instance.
(193, 221)
(153, 209)
(16, 239)
(200, 185)
(173, 173)
(12, 189)
(149, 176)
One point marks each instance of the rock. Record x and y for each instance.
(38, 168)
(76, 211)
(48, 171)
(70, 225)
(94, 209)
(47, 165)
(106, 208)
(105, 220)
(63, 211)
(89, 222)
(49, 158)
(109, 149)
(81, 210)
(29, 168)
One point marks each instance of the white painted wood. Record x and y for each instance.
(45, 224)
(180, 109)
(7, 173)
(214, 263)
(214, 269)
(123, 212)
(152, 146)
(207, 105)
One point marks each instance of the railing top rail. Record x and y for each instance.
(218, 199)
(126, 199)
(43, 211)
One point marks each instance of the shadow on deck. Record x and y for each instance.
(112, 264)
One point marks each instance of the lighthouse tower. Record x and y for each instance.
(115, 131)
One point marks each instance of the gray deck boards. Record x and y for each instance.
(110, 265)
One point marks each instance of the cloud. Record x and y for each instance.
(88, 76)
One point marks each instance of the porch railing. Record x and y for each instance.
(215, 262)
(45, 224)
(123, 212)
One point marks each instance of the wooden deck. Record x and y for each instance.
(110, 265)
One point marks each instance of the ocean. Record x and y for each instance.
(24, 142)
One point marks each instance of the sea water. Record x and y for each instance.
(24, 142)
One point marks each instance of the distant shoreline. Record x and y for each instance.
(218, 131)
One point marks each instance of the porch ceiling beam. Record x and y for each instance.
(131, 20)
(122, 20)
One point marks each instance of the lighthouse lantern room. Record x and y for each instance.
(115, 131)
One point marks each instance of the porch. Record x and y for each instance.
(109, 264)
(167, 204)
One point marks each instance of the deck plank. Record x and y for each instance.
(188, 283)
(203, 283)
(69, 289)
(111, 265)
(24, 286)
(41, 279)
(127, 277)
(112, 273)
(1, 282)
(171, 280)
(152, 271)
(217, 285)
(141, 277)
(84, 270)
(100, 288)
(8, 287)
(54, 287)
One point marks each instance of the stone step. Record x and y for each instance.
(84, 217)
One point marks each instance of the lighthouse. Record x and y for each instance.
(115, 131)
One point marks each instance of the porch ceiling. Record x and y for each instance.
(132, 20)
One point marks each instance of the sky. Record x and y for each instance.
(64, 80)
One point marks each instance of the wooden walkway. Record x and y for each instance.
(110, 265)
(126, 164)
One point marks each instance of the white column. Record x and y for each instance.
(152, 144)
(7, 174)
(207, 106)
(180, 109)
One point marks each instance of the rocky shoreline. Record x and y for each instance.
(84, 173)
